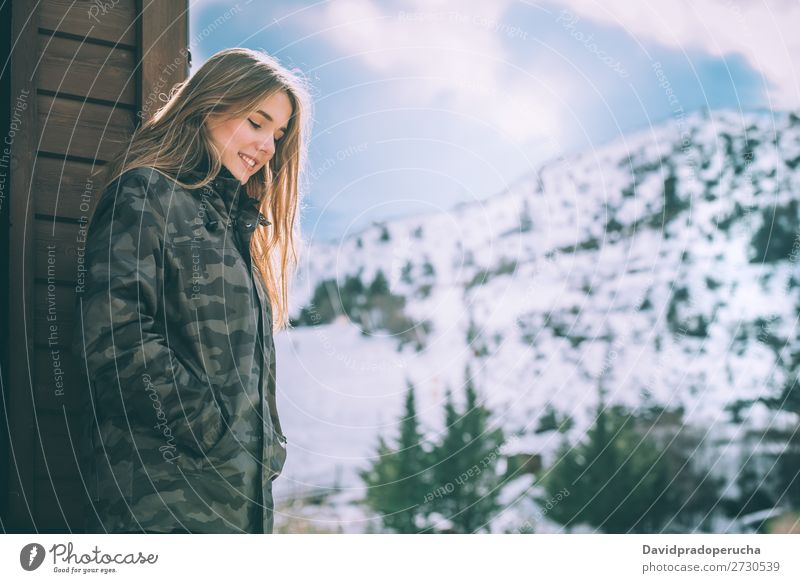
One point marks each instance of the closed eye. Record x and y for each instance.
(254, 124)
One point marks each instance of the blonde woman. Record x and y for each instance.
(189, 255)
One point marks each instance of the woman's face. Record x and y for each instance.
(248, 142)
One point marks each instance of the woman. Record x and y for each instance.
(188, 260)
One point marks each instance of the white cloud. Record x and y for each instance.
(764, 33)
(457, 51)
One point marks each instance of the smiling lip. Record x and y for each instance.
(247, 161)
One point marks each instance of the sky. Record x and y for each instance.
(421, 105)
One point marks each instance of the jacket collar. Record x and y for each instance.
(224, 184)
(227, 185)
(242, 208)
(248, 217)
(245, 221)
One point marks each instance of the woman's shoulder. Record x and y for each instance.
(142, 189)
(147, 183)
(148, 177)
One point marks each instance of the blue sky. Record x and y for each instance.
(421, 105)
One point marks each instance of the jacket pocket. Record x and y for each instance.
(278, 455)
(209, 429)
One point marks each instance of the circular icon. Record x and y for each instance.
(31, 556)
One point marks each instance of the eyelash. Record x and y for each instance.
(258, 127)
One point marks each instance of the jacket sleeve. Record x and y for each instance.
(137, 376)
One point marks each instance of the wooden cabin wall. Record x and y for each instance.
(83, 76)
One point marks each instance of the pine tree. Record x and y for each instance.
(611, 479)
(466, 482)
(352, 293)
(622, 478)
(427, 268)
(405, 273)
(775, 238)
(379, 285)
(447, 462)
(324, 304)
(397, 481)
(786, 471)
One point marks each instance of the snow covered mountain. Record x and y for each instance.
(660, 267)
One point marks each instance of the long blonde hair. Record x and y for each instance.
(175, 140)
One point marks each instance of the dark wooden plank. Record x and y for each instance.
(57, 245)
(60, 493)
(87, 70)
(85, 130)
(66, 188)
(5, 254)
(58, 445)
(25, 17)
(59, 504)
(59, 380)
(60, 313)
(86, 18)
(164, 56)
(58, 460)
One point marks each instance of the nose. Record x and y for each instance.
(268, 147)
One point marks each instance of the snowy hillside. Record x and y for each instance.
(644, 267)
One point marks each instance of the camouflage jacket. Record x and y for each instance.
(174, 326)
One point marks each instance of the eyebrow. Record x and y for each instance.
(269, 118)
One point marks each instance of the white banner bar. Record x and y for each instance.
(421, 558)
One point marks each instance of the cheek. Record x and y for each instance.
(229, 138)
(240, 137)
